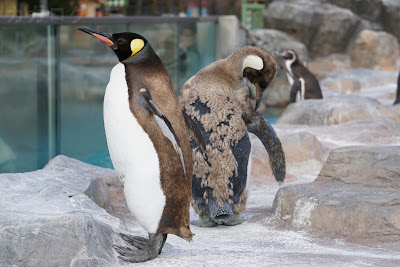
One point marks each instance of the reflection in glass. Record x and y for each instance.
(24, 97)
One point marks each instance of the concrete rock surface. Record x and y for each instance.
(274, 40)
(370, 10)
(303, 154)
(47, 219)
(323, 28)
(355, 196)
(334, 110)
(391, 17)
(374, 49)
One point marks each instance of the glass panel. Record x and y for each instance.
(24, 97)
(85, 66)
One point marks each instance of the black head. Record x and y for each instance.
(288, 55)
(125, 44)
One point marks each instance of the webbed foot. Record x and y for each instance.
(234, 220)
(147, 249)
(204, 221)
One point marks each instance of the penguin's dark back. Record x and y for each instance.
(313, 90)
(397, 101)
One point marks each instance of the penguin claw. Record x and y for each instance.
(136, 256)
(234, 220)
(136, 241)
(122, 250)
(147, 249)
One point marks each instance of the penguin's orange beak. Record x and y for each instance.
(102, 36)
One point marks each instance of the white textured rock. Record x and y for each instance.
(334, 110)
(47, 220)
(355, 196)
(323, 28)
(375, 49)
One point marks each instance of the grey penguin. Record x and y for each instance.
(397, 100)
(303, 83)
(148, 142)
(217, 100)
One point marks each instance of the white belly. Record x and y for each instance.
(290, 79)
(132, 154)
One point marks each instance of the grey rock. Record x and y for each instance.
(48, 220)
(361, 78)
(302, 151)
(323, 28)
(334, 110)
(391, 17)
(301, 147)
(274, 40)
(379, 131)
(371, 10)
(374, 49)
(355, 196)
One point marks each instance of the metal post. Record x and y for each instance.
(43, 6)
(199, 3)
(51, 92)
(57, 90)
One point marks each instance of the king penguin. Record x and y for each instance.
(217, 100)
(303, 83)
(148, 142)
(397, 100)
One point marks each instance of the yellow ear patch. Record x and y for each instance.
(136, 45)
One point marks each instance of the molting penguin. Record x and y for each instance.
(148, 142)
(217, 100)
(397, 101)
(303, 83)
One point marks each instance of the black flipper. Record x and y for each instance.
(257, 125)
(195, 132)
(296, 86)
(397, 101)
(164, 124)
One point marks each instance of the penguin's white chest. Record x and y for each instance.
(133, 154)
